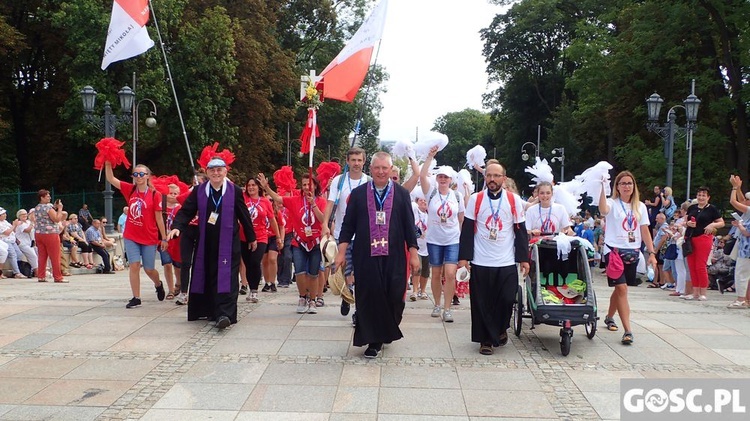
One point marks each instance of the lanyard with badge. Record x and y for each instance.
(495, 217)
(141, 200)
(444, 206)
(380, 212)
(307, 217)
(349, 180)
(251, 208)
(630, 223)
(215, 214)
(546, 223)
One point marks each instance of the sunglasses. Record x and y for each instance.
(140, 174)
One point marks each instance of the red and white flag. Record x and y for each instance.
(127, 36)
(343, 77)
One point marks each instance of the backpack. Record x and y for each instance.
(511, 202)
(435, 191)
(25, 268)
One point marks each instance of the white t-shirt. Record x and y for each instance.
(5, 226)
(448, 232)
(501, 251)
(621, 220)
(24, 237)
(549, 220)
(420, 220)
(346, 190)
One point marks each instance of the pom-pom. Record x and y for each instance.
(161, 183)
(427, 141)
(404, 149)
(475, 157)
(284, 179)
(541, 171)
(325, 172)
(110, 149)
(212, 151)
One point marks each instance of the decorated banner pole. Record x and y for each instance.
(310, 97)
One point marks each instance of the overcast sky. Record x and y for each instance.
(433, 53)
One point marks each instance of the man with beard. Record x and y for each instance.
(493, 239)
(379, 213)
(221, 210)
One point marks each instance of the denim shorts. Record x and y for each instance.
(306, 261)
(442, 255)
(139, 253)
(165, 258)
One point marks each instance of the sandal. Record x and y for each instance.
(627, 338)
(170, 296)
(611, 325)
(485, 349)
(89, 266)
(653, 285)
(738, 304)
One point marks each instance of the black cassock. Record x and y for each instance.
(212, 304)
(380, 281)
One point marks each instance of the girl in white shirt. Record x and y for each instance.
(545, 217)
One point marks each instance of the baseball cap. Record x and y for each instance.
(3, 211)
(216, 162)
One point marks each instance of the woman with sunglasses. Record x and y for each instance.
(144, 224)
(627, 226)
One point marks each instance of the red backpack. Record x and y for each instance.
(511, 202)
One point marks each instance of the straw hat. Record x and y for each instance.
(328, 249)
(337, 282)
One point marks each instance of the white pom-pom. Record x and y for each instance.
(427, 141)
(465, 182)
(476, 156)
(541, 171)
(404, 149)
(591, 180)
(563, 195)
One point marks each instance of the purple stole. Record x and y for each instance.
(379, 232)
(226, 233)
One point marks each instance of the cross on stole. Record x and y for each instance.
(382, 243)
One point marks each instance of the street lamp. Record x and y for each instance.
(150, 122)
(670, 129)
(561, 160)
(108, 123)
(524, 154)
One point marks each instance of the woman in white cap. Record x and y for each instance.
(445, 209)
(24, 235)
(8, 235)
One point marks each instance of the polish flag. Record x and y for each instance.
(127, 36)
(343, 77)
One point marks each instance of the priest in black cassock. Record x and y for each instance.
(215, 278)
(380, 215)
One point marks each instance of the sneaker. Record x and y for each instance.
(181, 299)
(455, 300)
(273, 288)
(689, 297)
(345, 307)
(253, 297)
(424, 296)
(702, 298)
(448, 316)
(371, 352)
(311, 307)
(160, 293)
(134, 302)
(266, 288)
(283, 285)
(320, 302)
(413, 297)
(243, 290)
(302, 305)
(436, 311)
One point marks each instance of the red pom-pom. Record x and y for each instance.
(325, 172)
(284, 179)
(211, 151)
(161, 183)
(110, 149)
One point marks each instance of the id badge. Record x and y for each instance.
(493, 234)
(380, 218)
(213, 218)
(631, 237)
(443, 219)
(308, 231)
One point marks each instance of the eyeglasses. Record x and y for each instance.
(140, 174)
(626, 183)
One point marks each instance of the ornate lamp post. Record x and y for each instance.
(108, 123)
(670, 129)
(561, 160)
(524, 155)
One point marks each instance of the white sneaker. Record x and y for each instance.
(302, 305)
(447, 316)
(253, 297)
(312, 308)
(436, 311)
(702, 298)
(181, 299)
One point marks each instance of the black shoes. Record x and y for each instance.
(223, 322)
(266, 288)
(503, 340)
(345, 307)
(273, 288)
(455, 300)
(160, 294)
(373, 350)
(243, 290)
(354, 319)
(134, 302)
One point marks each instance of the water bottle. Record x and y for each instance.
(650, 274)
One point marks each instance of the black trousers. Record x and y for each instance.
(493, 291)
(188, 243)
(104, 255)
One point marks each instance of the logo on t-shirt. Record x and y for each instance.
(307, 216)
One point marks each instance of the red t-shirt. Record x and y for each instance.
(142, 208)
(300, 215)
(174, 244)
(260, 209)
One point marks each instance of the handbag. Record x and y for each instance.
(671, 252)
(687, 247)
(729, 245)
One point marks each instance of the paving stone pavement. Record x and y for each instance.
(73, 352)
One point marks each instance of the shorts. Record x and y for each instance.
(667, 265)
(139, 253)
(306, 261)
(165, 257)
(272, 246)
(425, 266)
(442, 255)
(629, 275)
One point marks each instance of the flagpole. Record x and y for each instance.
(171, 82)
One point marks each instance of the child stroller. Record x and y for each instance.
(558, 292)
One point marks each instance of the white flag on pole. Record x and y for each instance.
(127, 36)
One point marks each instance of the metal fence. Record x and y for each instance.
(72, 202)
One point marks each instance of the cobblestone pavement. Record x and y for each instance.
(73, 351)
